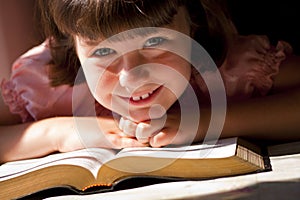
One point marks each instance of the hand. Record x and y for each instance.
(142, 131)
(162, 131)
(176, 131)
(87, 132)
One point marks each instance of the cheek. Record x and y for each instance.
(184, 68)
(105, 86)
(179, 64)
(181, 73)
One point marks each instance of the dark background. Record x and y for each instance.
(280, 20)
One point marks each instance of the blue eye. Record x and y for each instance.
(103, 52)
(154, 42)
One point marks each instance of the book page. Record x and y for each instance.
(91, 159)
(219, 149)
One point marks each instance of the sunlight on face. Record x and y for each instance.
(130, 76)
(130, 72)
(140, 73)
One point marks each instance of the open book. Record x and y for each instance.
(98, 167)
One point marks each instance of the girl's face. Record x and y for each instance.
(139, 74)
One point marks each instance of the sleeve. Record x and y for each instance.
(250, 66)
(28, 92)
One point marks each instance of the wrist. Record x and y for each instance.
(61, 134)
(51, 133)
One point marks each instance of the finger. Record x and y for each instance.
(131, 142)
(144, 130)
(121, 125)
(128, 127)
(161, 139)
(168, 136)
(115, 141)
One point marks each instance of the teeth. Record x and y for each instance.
(136, 98)
(145, 96)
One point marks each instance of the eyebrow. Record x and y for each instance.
(123, 36)
(133, 33)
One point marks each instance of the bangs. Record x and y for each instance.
(92, 19)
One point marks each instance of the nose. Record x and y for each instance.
(134, 71)
(131, 60)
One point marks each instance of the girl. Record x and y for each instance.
(261, 81)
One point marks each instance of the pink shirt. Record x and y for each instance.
(247, 71)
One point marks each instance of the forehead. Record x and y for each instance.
(180, 23)
(129, 35)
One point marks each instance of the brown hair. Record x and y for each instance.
(62, 19)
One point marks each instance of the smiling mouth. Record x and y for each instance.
(144, 96)
(142, 99)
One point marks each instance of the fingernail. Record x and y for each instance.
(121, 123)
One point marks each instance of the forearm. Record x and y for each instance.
(25, 141)
(61, 134)
(275, 117)
(39, 138)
